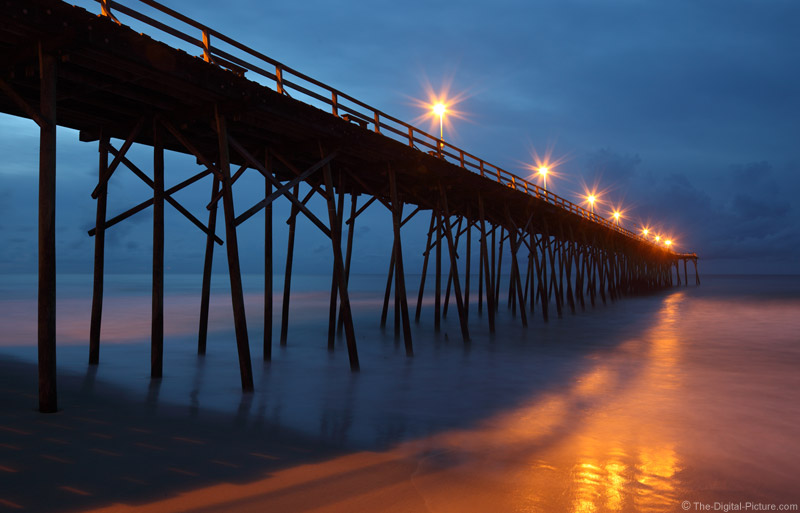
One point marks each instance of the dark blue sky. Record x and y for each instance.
(685, 113)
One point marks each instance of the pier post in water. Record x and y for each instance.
(232, 246)
(157, 319)
(99, 255)
(48, 400)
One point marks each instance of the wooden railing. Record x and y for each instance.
(228, 53)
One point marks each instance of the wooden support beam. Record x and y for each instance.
(437, 302)
(99, 258)
(205, 295)
(334, 284)
(22, 104)
(453, 265)
(363, 207)
(400, 280)
(485, 263)
(515, 274)
(685, 273)
(267, 343)
(157, 318)
(424, 268)
(541, 273)
(467, 269)
(388, 290)
(143, 205)
(450, 271)
(290, 196)
(570, 263)
(48, 399)
(167, 194)
(232, 246)
(287, 279)
(349, 250)
(284, 189)
(410, 216)
(338, 266)
(238, 174)
(553, 273)
(291, 167)
(192, 149)
(134, 133)
(480, 278)
(496, 276)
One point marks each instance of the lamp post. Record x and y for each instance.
(439, 109)
(543, 171)
(591, 199)
(616, 217)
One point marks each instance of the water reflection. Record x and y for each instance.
(636, 465)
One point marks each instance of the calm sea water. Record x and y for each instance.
(637, 405)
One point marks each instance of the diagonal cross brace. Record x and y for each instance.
(123, 150)
(258, 166)
(22, 104)
(218, 196)
(361, 209)
(285, 188)
(169, 199)
(192, 149)
(143, 205)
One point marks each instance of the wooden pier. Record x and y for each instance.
(64, 66)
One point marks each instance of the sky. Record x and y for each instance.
(683, 113)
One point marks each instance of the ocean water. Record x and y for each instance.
(690, 394)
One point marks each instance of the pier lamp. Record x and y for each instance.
(616, 217)
(645, 231)
(591, 199)
(668, 243)
(439, 109)
(657, 238)
(543, 171)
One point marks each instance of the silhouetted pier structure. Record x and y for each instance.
(62, 65)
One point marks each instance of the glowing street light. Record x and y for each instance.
(616, 216)
(645, 231)
(543, 171)
(668, 243)
(439, 109)
(657, 238)
(591, 199)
